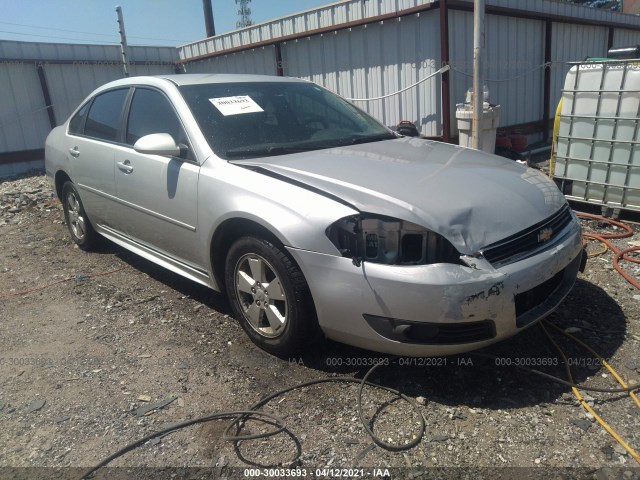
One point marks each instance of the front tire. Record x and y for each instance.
(80, 228)
(269, 296)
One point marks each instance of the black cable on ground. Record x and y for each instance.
(239, 417)
(365, 424)
(215, 416)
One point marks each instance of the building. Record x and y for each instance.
(631, 6)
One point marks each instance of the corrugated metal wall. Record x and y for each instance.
(626, 38)
(70, 84)
(71, 73)
(565, 9)
(360, 62)
(261, 61)
(354, 10)
(572, 43)
(326, 16)
(513, 70)
(375, 61)
(66, 51)
(23, 115)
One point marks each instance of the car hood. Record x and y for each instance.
(470, 197)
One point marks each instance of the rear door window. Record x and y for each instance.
(105, 115)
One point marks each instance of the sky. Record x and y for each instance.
(147, 22)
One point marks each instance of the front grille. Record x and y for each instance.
(527, 301)
(429, 333)
(529, 239)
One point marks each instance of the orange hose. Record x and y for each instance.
(628, 231)
(618, 253)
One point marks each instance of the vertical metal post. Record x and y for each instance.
(610, 38)
(546, 107)
(478, 73)
(123, 41)
(208, 18)
(279, 63)
(444, 58)
(45, 93)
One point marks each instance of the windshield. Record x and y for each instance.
(247, 120)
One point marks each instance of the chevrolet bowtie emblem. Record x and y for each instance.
(544, 234)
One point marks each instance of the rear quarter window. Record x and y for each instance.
(76, 124)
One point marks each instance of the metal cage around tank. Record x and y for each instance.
(597, 157)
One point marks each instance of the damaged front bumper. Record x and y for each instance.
(438, 309)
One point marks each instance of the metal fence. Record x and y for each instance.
(42, 83)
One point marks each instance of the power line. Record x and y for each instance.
(87, 33)
(57, 37)
(57, 29)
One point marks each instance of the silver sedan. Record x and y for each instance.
(314, 218)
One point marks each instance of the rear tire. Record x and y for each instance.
(269, 296)
(80, 228)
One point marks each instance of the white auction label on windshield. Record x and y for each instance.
(236, 105)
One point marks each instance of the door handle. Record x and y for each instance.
(125, 166)
(74, 152)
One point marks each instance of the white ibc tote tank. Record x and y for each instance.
(596, 156)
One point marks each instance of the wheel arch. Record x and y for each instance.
(226, 234)
(235, 228)
(60, 179)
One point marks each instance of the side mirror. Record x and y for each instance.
(160, 144)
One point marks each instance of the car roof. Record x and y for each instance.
(198, 79)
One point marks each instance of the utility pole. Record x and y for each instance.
(478, 73)
(208, 18)
(244, 11)
(123, 41)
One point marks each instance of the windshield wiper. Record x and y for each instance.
(274, 150)
(356, 139)
(266, 152)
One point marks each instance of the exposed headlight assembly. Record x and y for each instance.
(389, 241)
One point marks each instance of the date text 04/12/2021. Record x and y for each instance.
(401, 361)
(317, 473)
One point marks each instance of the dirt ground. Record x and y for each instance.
(78, 357)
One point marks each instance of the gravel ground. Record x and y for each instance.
(80, 357)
